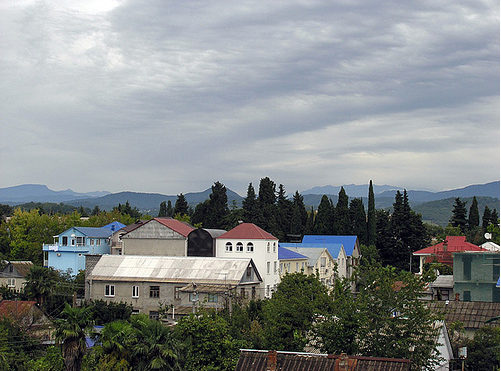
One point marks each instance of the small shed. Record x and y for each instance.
(202, 242)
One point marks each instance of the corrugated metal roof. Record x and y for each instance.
(348, 242)
(312, 253)
(170, 269)
(473, 314)
(450, 244)
(247, 231)
(255, 360)
(94, 232)
(333, 248)
(286, 254)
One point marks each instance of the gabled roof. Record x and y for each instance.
(171, 269)
(333, 248)
(312, 253)
(114, 226)
(262, 360)
(182, 228)
(15, 308)
(248, 231)
(473, 314)
(286, 254)
(348, 242)
(451, 244)
(21, 267)
(94, 232)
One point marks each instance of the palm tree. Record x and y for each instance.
(70, 333)
(40, 282)
(154, 349)
(116, 341)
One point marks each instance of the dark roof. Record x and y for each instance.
(21, 267)
(259, 360)
(473, 314)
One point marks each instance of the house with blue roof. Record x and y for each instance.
(350, 244)
(67, 253)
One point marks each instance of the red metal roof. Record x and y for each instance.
(247, 231)
(15, 308)
(451, 244)
(180, 227)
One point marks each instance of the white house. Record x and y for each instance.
(247, 240)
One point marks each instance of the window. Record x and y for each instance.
(177, 293)
(323, 262)
(242, 293)
(297, 267)
(109, 290)
(240, 247)
(154, 291)
(98, 242)
(154, 315)
(135, 311)
(135, 291)
(80, 241)
(64, 241)
(467, 268)
(212, 298)
(274, 246)
(250, 247)
(72, 242)
(275, 267)
(249, 271)
(11, 282)
(267, 290)
(91, 241)
(268, 265)
(229, 247)
(268, 247)
(11, 268)
(193, 296)
(253, 292)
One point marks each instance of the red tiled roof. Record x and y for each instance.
(177, 226)
(451, 244)
(9, 308)
(247, 231)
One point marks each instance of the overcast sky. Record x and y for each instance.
(171, 96)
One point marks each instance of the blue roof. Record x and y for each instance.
(286, 254)
(94, 232)
(348, 242)
(333, 248)
(114, 226)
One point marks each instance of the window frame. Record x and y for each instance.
(229, 247)
(135, 291)
(109, 290)
(239, 247)
(250, 247)
(154, 291)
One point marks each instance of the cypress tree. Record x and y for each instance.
(358, 220)
(163, 209)
(181, 205)
(371, 217)
(251, 211)
(267, 203)
(310, 222)
(169, 209)
(473, 216)
(285, 209)
(323, 219)
(342, 215)
(458, 218)
(299, 215)
(218, 207)
(486, 218)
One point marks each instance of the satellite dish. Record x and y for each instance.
(488, 236)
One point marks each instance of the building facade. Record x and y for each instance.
(13, 275)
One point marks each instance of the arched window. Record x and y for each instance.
(240, 247)
(268, 247)
(274, 246)
(229, 247)
(250, 247)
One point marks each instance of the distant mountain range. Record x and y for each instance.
(434, 206)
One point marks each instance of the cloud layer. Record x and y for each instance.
(168, 96)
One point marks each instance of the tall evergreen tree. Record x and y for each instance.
(371, 217)
(169, 211)
(251, 211)
(384, 237)
(218, 207)
(181, 205)
(162, 211)
(266, 200)
(310, 222)
(299, 215)
(323, 219)
(474, 216)
(358, 220)
(486, 218)
(285, 209)
(458, 218)
(342, 225)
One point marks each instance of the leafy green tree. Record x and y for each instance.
(483, 350)
(206, 344)
(52, 360)
(342, 224)
(109, 311)
(371, 217)
(458, 218)
(289, 314)
(324, 218)
(127, 209)
(71, 331)
(16, 346)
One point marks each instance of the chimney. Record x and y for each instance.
(271, 361)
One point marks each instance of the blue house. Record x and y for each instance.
(67, 254)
